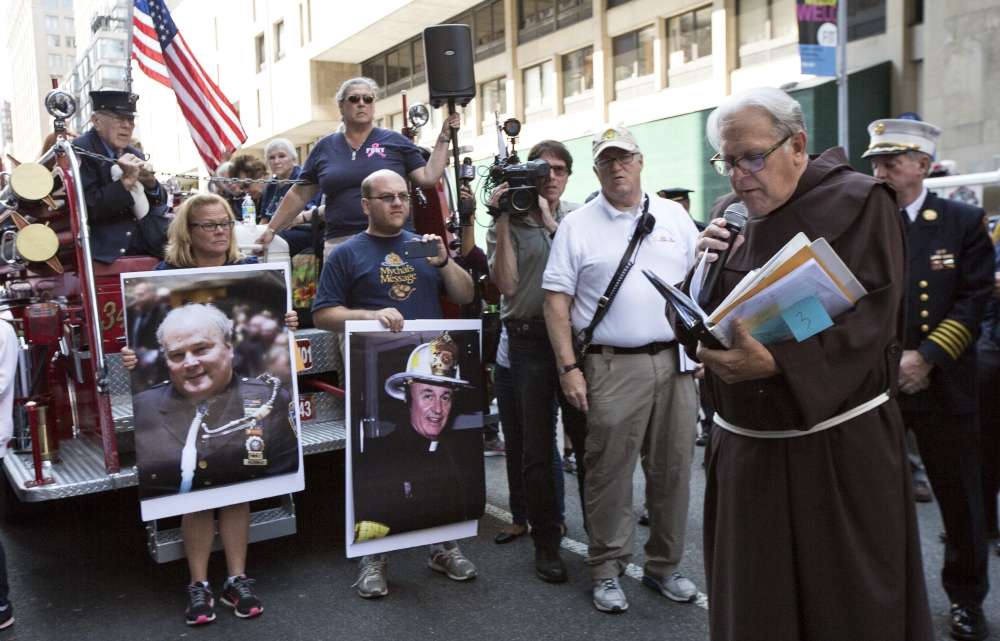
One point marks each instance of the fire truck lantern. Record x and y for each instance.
(41, 323)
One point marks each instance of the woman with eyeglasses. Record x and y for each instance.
(201, 235)
(339, 162)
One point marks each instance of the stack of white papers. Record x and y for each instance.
(794, 295)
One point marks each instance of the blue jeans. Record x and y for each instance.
(510, 420)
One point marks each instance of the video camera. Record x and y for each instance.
(522, 194)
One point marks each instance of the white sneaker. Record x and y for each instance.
(676, 587)
(608, 596)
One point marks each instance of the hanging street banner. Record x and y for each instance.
(818, 36)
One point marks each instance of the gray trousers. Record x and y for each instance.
(640, 405)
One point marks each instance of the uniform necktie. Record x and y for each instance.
(906, 218)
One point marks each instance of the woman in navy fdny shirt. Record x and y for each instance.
(339, 162)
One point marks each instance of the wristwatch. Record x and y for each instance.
(566, 369)
(443, 138)
(442, 265)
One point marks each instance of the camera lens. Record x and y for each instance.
(521, 199)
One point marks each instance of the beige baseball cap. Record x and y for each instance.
(611, 136)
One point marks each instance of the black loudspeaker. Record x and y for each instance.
(448, 56)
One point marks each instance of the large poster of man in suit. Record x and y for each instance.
(415, 414)
(212, 433)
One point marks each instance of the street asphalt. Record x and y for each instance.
(79, 570)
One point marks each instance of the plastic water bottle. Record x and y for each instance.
(249, 212)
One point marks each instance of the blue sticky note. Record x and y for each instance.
(773, 331)
(806, 318)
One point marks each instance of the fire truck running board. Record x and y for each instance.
(167, 545)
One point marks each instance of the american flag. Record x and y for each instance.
(163, 55)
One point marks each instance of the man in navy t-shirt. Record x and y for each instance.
(369, 278)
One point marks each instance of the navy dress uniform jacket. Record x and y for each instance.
(162, 420)
(950, 281)
(109, 204)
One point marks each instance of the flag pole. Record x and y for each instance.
(128, 46)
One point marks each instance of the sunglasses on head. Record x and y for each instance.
(355, 99)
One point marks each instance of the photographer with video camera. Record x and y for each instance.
(527, 209)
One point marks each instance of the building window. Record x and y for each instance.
(51, 22)
(111, 49)
(632, 56)
(261, 53)
(488, 30)
(51, 4)
(578, 80)
(68, 23)
(70, 41)
(68, 5)
(374, 69)
(51, 40)
(55, 61)
(279, 40)
(535, 18)
(493, 98)
(867, 18)
(539, 92)
(617, 3)
(690, 36)
(399, 68)
(689, 47)
(768, 29)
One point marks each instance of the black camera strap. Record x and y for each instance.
(644, 227)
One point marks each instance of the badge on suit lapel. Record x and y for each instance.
(929, 215)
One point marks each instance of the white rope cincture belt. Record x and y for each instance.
(828, 423)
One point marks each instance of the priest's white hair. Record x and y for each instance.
(783, 109)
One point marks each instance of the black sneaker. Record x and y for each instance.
(236, 594)
(6, 616)
(201, 606)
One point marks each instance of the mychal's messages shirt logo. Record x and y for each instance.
(399, 275)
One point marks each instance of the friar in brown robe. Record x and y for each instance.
(815, 536)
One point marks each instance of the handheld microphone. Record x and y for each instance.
(466, 206)
(736, 217)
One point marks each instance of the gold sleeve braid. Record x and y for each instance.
(952, 336)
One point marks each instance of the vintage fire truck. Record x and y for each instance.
(73, 431)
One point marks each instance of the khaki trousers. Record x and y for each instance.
(640, 405)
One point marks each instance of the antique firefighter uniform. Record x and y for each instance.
(229, 448)
(114, 231)
(950, 281)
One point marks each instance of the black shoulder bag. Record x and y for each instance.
(645, 226)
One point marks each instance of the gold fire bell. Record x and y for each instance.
(31, 181)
